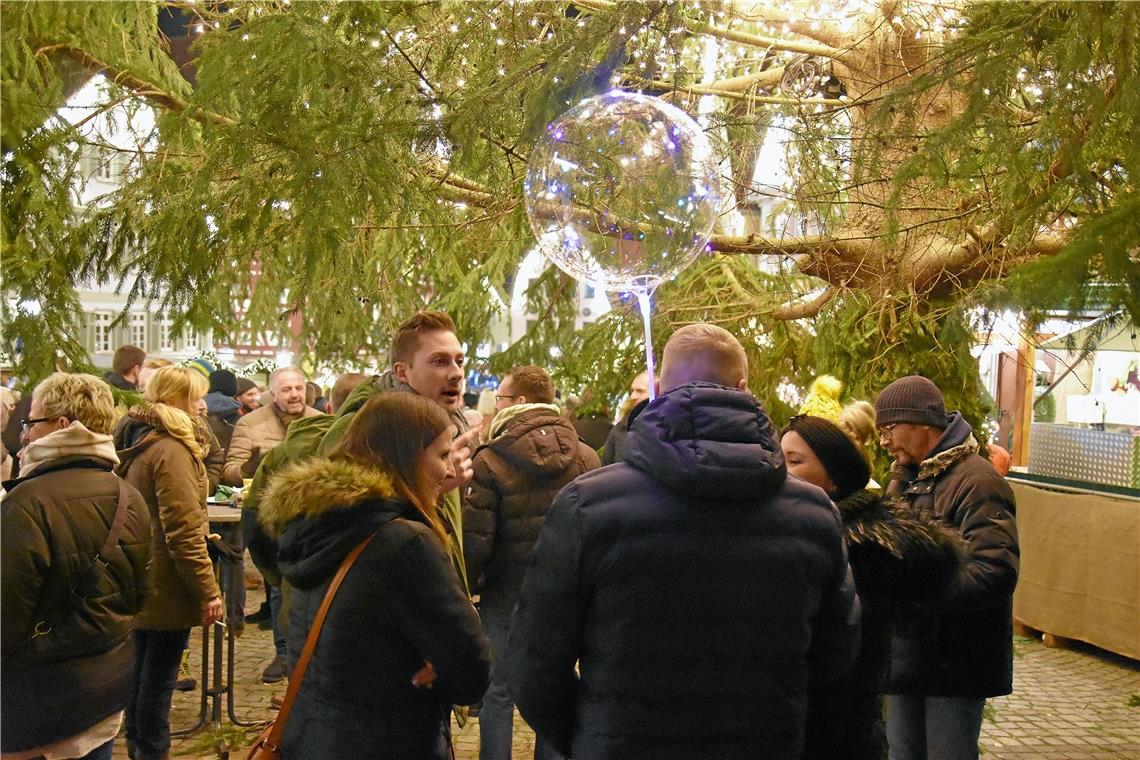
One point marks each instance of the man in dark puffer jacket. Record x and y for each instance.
(949, 655)
(66, 622)
(694, 584)
(531, 453)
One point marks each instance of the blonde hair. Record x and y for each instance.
(85, 398)
(180, 385)
(857, 420)
(703, 352)
(157, 363)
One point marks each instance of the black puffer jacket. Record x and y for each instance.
(77, 671)
(961, 644)
(897, 561)
(517, 475)
(696, 587)
(401, 605)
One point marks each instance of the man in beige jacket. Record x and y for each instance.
(259, 431)
(255, 434)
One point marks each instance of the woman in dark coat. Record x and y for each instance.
(401, 642)
(895, 561)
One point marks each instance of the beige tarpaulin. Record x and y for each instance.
(1080, 566)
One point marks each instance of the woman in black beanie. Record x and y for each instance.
(896, 561)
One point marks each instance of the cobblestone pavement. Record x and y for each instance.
(1067, 705)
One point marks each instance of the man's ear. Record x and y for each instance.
(742, 384)
(521, 400)
(400, 370)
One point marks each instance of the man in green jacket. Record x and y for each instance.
(427, 359)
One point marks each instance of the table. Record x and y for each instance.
(225, 520)
(1080, 565)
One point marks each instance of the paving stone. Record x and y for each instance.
(1067, 705)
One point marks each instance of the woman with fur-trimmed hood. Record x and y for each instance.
(401, 642)
(895, 560)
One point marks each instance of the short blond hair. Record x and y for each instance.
(157, 363)
(857, 420)
(80, 397)
(703, 353)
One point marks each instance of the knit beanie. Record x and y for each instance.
(823, 399)
(201, 365)
(911, 399)
(244, 384)
(223, 381)
(845, 464)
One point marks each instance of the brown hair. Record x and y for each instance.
(127, 358)
(390, 433)
(406, 339)
(534, 383)
(344, 385)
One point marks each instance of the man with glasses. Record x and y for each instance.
(531, 452)
(947, 658)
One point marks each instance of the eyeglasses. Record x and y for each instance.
(887, 431)
(28, 423)
(500, 397)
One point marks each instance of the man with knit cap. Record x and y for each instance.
(948, 656)
(222, 408)
(531, 452)
(678, 602)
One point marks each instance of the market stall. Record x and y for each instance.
(1078, 503)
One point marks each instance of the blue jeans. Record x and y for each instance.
(274, 593)
(933, 728)
(496, 716)
(157, 657)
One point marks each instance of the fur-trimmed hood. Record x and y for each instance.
(315, 487)
(319, 509)
(896, 556)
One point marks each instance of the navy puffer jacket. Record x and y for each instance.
(696, 586)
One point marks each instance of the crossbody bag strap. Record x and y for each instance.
(274, 738)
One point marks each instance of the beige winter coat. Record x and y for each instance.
(254, 435)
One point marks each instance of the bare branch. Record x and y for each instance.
(804, 309)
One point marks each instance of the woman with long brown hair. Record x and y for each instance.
(401, 642)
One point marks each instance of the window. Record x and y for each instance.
(165, 338)
(138, 329)
(106, 168)
(590, 292)
(102, 321)
(190, 342)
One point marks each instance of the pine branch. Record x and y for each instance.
(804, 309)
(675, 91)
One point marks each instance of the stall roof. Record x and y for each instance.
(1104, 336)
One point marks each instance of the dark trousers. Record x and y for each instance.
(157, 657)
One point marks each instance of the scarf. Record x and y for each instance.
(388, 382)
(503, 416)
(73, 440)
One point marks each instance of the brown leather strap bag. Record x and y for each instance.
(268, 744)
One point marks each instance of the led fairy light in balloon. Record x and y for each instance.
(622, 192)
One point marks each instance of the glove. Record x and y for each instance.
(250, 467)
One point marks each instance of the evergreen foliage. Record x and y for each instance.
(340, 164)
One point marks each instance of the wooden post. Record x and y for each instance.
(1026, 378)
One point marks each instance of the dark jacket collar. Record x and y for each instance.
(75, 462)
(708, 441)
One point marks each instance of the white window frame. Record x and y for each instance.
(103, 338)
(138, 329)
(165, 335)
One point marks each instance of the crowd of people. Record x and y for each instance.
(688, 582)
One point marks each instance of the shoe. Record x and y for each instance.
(276, 701)
(264, 625)
(261, 616)
(274, 672)
(185, 680)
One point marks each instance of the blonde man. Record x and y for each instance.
(74, 562)
(695, 586)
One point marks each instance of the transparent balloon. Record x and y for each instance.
(622, 191)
